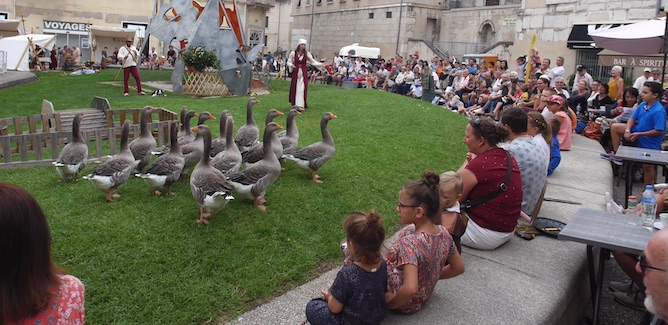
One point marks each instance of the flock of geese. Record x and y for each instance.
(217, 163)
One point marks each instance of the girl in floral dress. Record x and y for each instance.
(424, 252)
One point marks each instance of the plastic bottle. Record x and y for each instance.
(632, 210)
(648, 207)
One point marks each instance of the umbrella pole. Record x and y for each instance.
(665, 53)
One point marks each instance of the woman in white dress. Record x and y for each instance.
(297, 63)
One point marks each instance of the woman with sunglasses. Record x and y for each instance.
(424, 251)
(492, 217)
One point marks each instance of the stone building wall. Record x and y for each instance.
(552, 20)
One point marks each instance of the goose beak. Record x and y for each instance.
(279, 127)
(211, 117)
(299, 113)
(279, 113)
(196, 114)
(153, 109)
(194, 129)
(332, 116)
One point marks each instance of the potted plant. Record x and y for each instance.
(198, 58)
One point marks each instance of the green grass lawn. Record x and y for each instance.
(144, 260)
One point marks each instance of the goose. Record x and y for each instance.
(248, 134)
(109, 176)
(314, 156)
(73, 157)
(167, 168)
(254, 154)
(290, 138)
(218, 145)
(182, 117)
(228, 160)
(254, 181)
(142, 147)
(187, 136)
(192, 153)
(208, 185)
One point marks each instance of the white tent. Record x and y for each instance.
(356, 50)
(111, 37)
(18, 49)
(11, 27)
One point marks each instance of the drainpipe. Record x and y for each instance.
(311, 29)
(278, 30)
(401, 10)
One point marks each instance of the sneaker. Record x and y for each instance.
(141, 93)
(633, 299)
(126, 94)
(619, 286)
(608, 155)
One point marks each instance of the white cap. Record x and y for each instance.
(647, 70)
(301, 41)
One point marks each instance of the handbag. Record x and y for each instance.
(593, 131)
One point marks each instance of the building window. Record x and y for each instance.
(265, 40)
(330, 1)
(299, 3)
(491, 2)
(371, 15)
(266, 21)
(4, 16)
(388, 14)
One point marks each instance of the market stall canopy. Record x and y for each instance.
(644, 37)
(110, 37)
(113, 32)
(18, 49)
(11, 28)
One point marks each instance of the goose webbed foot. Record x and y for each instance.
(203, 215)
(155, 193)
(111, 196)
(316, 177)
(259, 204)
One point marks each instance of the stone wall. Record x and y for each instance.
(552, 20)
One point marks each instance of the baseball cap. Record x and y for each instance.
(647, 70)
(555, 99)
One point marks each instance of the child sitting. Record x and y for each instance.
(357, 296)
(555, 152)
(417, 259)
(450, 189)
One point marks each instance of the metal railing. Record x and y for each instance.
(3, 62)
(458, 49)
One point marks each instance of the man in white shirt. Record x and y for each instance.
(582, 74)
(545, 69)
(557, 71)
(129, 57)
(646, 76)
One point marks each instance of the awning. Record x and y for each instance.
(611, 58)
(11, 27)
(99, 31)
(579, 37)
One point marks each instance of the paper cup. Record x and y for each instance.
(664, 219)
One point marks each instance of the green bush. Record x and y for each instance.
(199, 58)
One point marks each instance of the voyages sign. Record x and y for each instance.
(64, 27)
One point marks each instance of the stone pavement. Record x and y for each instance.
(14, 78)
(542, 281)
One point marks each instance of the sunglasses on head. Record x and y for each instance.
(644, 265)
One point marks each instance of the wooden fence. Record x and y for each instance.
(40, 144)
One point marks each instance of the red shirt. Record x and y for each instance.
(501, 212)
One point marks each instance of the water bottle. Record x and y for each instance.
(632, 210)
(648, 207)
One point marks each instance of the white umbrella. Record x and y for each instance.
(639, 38)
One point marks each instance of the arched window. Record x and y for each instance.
(486, 33)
